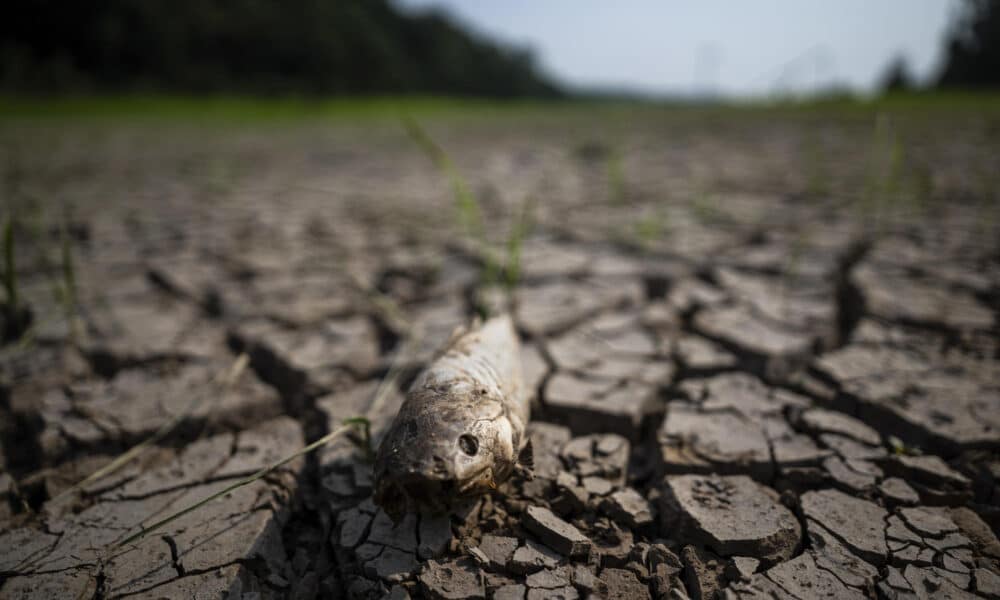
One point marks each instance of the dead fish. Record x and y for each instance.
(461, 429)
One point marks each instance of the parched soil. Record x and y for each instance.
(762, 347)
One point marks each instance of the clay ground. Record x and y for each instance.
(762, 346)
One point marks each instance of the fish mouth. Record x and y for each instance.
(418, 492)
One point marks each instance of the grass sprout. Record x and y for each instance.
(515, 241)
(387, 308)
(900, 448)
(651, 228)
(347, 426)
(495, 272)
(360, 424)
(390, 381)
(468, 212)
(466, 205)
(227, 380)
(884, 182)
(69, 290)
(617, 187)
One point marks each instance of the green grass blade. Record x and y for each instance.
(354, 422)
(519, 231)
(349, 424)
(426, 143)
(232, 375)
(466, 204)
(382, 392)
(385, 305)
(468, 212)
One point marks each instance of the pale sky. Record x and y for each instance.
(730, 47)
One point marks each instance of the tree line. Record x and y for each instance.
(325, 47)
(254, 46)
(971, 52)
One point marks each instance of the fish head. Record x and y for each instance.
(445, 450)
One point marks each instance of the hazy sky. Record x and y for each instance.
(715, 46)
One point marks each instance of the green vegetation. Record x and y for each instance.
(616, 177)
(349, 425)
(67, 291)
(973, 50)
(651, 228)
(896, 184)
(467, 208)
(360, 425)
(518, 232)
(469, 216)
(883, 181)
(225, 382)
(240, 109)
(914, 103)
(899, 448)
(125, 108)
(349, 47)
(468, 213)
(292, 47)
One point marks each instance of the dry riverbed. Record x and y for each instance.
(762, 349)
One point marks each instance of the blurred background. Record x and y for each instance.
(647, 49)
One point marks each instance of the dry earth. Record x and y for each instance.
(763, 349)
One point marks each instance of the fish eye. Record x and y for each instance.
(468, 443)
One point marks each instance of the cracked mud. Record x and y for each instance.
(778, 394)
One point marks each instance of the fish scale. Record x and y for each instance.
(460, 430)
